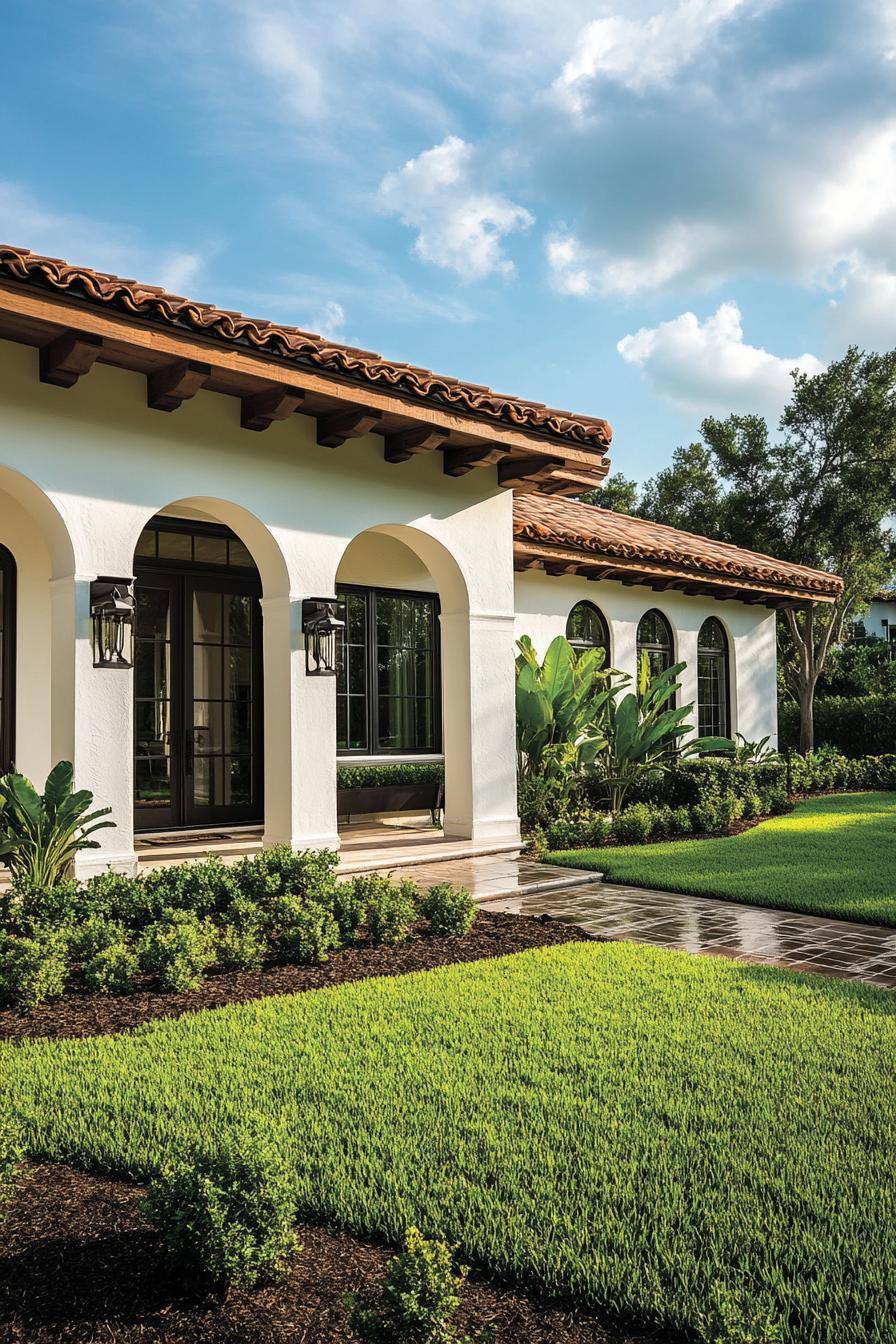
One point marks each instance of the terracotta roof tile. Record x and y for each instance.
(567, 522)
(288, 342)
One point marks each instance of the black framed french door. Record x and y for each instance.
(197, 699)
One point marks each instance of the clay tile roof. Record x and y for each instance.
(287, 342)
(567, 522)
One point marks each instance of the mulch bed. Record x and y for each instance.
(81, 1012)
(79, 1264)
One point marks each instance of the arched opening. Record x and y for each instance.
(198, 668)
(36, 696)
(655, 639)
(389, 668)
(713, 681)
(586, 628)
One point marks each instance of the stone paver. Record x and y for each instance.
(718, 928)
(490, 875)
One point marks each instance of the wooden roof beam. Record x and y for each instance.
(528, 473)
(459, 461)
(408, 443)
(67, 358)
(333, 430)
(169, 387)
(261, 409)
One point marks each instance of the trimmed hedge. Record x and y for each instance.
(704, 797)
(862, 725)
(384, 776)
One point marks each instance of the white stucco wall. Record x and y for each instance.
(877, 613)
(92, 464)
(543, 603)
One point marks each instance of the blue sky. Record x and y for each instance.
(648, 212)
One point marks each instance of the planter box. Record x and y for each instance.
(390, 798)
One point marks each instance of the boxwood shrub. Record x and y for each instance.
(382, 776)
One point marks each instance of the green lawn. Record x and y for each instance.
(830, 856)
(685, 1140)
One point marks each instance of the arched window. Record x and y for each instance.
(713, 699)
(655, 639)
(587, 629)
(7, 659)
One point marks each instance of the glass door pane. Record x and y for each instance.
(223, 702)
(157, 755)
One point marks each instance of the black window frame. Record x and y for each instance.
(718, 657)
(580, 645)
(651, 647)
(8, 661)
(371, 693)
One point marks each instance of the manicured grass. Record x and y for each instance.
(690, 1142)
(830, 856)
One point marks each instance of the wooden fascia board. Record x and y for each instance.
(626, 569)
(149, 336)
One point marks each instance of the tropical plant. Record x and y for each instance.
(561, 706)
(41, 835)
(644, 731)
(754, 753)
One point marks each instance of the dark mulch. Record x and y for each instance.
(82, 1013)
(79, 1265)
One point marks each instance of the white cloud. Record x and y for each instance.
(865, 312)
(459, 225)
(282, 52)
(584, 272)
(707, 367)
(641, 53)
(26, 222)
(329, 321)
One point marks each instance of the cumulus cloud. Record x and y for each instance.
(707, 367)
(864, 313)
(641, 53)
(329, 321)
(459, 225)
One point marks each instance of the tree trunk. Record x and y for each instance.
(807, 718)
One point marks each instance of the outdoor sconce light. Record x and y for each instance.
(112, 612)
(320, 625)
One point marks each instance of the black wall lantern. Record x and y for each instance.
(320, 625)
(112, 613)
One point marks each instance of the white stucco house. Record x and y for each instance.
(879, 620)
(227, 471)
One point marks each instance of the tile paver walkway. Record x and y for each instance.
(718, 928)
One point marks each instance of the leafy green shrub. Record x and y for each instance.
(383, 776)
(420, 1295)
(281, 871)
(450, 910)
(112, 969)
(227, 1217)
(634, 825)
(663, 823)
(349, 909)
(856, 725)
(682, 821)
(205, 888)
(94, 935)
(178, 949)
(32, 969)
(243, 941)
(12, 1154)
(391, 908)
(35, 905)
(306, 930)
(120, 897)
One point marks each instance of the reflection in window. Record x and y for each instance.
(655, 639)
(387, 683)
(587, 629)
(713, 700)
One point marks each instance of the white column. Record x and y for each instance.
(686, 652)
(299, 736)
(91, 725)
(479, 725)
